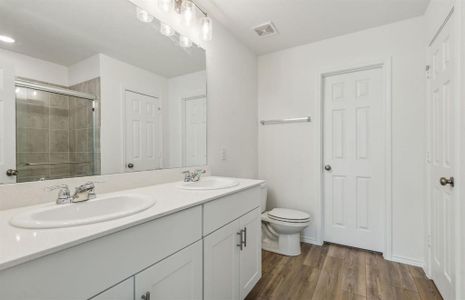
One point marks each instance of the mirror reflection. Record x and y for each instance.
(87, 90)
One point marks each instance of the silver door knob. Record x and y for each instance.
(328, 168)
(11, 172)
(130, 165)
(444, 181)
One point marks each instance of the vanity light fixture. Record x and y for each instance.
(166, 29)
(7, 39)
(165, 5)
(188, 12)
(206, 29)
(185, 42)
(143, 15)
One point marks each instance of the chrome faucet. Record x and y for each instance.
(193, 176)
(64, 195)
(82, 193)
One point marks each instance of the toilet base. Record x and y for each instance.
(285, 244)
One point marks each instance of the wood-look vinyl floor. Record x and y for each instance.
(331, 272)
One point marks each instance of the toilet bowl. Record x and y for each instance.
(281, 228)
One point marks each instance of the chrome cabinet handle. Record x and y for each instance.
(146, 296)
(245, 236)
(328, 167)
(444, 181)
(130, 165)
(241, 244)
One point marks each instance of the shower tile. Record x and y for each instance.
(81, 114)
(32, 140)
(59, 101)
(81, 140)
(23, 158)
(81, 169)
(59, 141)
(36, 112)
(72, 140)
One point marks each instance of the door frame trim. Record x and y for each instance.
(386, 67)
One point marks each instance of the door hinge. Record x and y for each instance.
(429, 241)
(427, 69)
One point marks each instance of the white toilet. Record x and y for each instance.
(281, 228)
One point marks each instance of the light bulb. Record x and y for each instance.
(165, 5)
(185, 42)
(143, 15)
(206, 29)
(166, 30)
(188, 12)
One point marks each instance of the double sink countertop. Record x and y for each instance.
(18, 245)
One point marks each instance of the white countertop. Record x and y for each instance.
(19, 245)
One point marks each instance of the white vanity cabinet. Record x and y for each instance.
(209, 251)
(176, 277)
(121, 291)
(232, 253)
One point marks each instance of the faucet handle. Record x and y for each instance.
(64, 195)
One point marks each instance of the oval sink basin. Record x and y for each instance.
(92, 211)
(209, 183)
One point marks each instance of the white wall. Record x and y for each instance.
(115, 78)
(37, 69)
(84, 70)
(287, 85)
(180, 87)
(232, 106)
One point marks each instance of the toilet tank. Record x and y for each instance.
(263, 196)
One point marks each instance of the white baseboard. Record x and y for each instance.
(310, 240)
(407, 261)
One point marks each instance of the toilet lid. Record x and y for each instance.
(285, 214)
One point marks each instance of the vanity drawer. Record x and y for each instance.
(221, 211)
(89, 268)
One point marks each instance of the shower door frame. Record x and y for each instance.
(44, 87)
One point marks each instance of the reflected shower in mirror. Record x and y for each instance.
(101, 93)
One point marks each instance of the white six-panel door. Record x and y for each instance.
(142, 136)
(354, 158)
(442, 160)
(8, 117)
(195, 132)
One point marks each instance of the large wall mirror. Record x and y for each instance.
(87, 88)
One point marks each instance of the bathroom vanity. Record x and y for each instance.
(191, 244)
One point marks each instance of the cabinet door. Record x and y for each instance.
(221, 263)
(121, 291)
(251, 254)
(177, 277)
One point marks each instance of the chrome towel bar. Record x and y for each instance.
(282, 121)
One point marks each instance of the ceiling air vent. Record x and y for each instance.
(267, 29)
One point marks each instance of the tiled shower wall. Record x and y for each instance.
(55, 135)
(81, 130)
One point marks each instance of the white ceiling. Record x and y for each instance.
(305, 21)
(68, 31)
